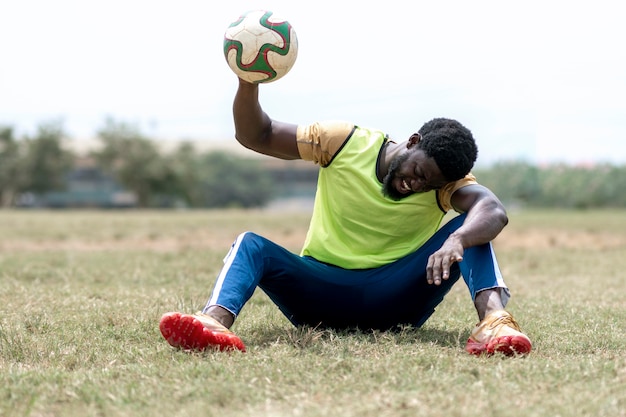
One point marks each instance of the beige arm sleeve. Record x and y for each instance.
(319, 142)
(445, 193)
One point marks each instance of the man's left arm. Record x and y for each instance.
(486, 217)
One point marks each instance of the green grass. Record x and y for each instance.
(81, 294)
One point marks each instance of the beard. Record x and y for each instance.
(388, 189)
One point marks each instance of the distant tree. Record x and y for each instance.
(45, 163)
(11, 172)
(582, 186)
(230, 181)
(557, 185)
(186, 166)
(616, 184)
(215, 179)
(512, 181)
(134, 161)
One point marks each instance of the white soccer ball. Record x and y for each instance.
(260, 47)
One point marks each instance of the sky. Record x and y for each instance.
(538, 81)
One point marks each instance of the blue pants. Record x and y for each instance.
(309, 292)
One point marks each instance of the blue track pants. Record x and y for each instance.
(309, 292)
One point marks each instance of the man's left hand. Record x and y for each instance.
(439, 263)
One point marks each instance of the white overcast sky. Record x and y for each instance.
(542, 81)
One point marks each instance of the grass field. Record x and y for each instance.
(81, 294)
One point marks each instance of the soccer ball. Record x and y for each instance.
(259, 47)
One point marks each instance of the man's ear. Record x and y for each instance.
(414, 140)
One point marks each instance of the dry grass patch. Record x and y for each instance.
(82, 293)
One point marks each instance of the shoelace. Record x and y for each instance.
(506, 320)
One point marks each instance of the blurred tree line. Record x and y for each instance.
(558, 185)
(185, 176)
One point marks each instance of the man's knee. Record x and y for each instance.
(251, 240)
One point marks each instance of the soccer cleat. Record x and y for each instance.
(498, 332)
(198, 332)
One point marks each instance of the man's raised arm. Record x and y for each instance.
(255, 130)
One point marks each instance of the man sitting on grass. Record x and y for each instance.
(375, 256)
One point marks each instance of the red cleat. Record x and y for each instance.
(498, 332)
(198, 332)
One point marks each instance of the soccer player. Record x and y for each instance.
(376, 255)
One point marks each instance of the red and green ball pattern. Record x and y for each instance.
(260, 48)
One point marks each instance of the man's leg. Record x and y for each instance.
(313, 293)
(244, 266)
(399, 293)
(482, 275)
(305, 290)
(297, 285)
(497, 330)
(488, 301)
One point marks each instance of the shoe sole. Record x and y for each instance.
(184, 331)
(507, 345)
(510, 345)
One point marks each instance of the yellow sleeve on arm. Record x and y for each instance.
(320, 142)
(445, 192)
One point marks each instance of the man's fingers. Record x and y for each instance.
(429, 270)
(445, 267)
(447, 263)
(438, 267)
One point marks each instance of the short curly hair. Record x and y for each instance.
(451, 145)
